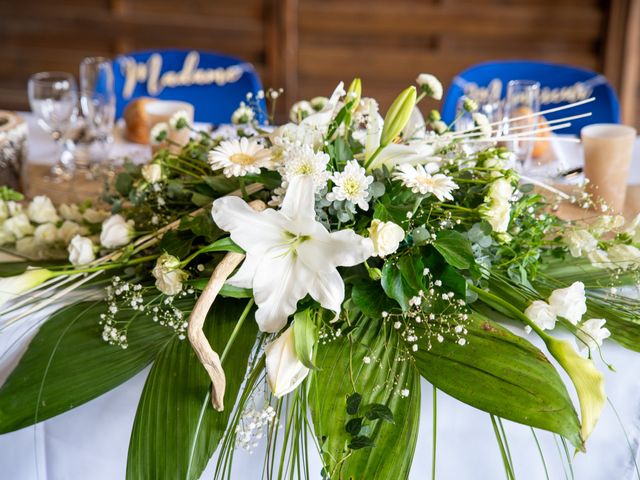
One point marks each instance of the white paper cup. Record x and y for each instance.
(608, 149)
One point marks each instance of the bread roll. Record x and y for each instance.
(137, 123)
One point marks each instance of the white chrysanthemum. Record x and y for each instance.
(158, 133)
(430, 85)
(351, 184)
(302, 161)
(420, 180)
(243, 114)
(481, 121)
(179, 120)
(237, 158)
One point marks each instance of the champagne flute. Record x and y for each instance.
(523, 99)
(98, 102)
(53, 97)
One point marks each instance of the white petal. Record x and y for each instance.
(251, 230)
(280, 282)
(328, 289)
(338, 249)
(299, 201)
(244, 276)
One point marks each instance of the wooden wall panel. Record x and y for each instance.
(307, 46)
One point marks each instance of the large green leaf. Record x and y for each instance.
(503, 374)
(455, 248)
(68, 364)
(176, 430)
(380, 382)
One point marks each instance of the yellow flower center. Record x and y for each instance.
(351, 187)
(242, 159)
(304, 169)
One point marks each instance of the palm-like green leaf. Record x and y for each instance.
(503, 374)
(68, 363)
(341, 370)
(176, 430)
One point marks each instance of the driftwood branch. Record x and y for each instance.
(208, 357)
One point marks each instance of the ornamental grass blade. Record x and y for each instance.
(68, 363)
(503, 374)
(380, 382)
(176, 430)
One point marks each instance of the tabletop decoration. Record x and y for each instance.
(294, 283)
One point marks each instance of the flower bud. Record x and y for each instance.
(12, 287)
(168, 275)
(430, 85)
(469, 105)
(398, 115)
(284, 370)
(354, 92)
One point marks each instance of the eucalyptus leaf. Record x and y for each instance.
(176, 429)
(68, 363)
(503, 374)
(331, 391)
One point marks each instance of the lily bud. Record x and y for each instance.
(587, 380)
(398, 115)
(354, 92)
(12, 287)
(284, 370)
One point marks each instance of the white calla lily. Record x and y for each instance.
(289, 253)
(13, 287)
(284, 370)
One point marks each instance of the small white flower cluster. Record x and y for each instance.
(420, 322)
(252, 426)
(352, 184)
(168, 315)
(120, 294)
(570, 304)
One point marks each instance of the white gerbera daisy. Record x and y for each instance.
(158, 133)
(239, 157)
(419, 179)
(351, 184)
(430, 85)
(302, 161)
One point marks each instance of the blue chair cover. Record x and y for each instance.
(215, 84)
(561, 84)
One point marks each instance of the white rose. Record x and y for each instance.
(570, 302)
(4, 210)
(15, 208)
(430, 85)
(70, 229)
(152, 172)
(6, 237)
(46, 233)
(498, 215)
(580, 242)
(592, 333)
(81, 251)
(386, 237)
(624, 256)
(18, 226)
(92, 215)
(541, 314)
(70, 212)
(29, 247)
(501, 190)
(284, 370)
(168, 275)
(41, 210)
(116, 231)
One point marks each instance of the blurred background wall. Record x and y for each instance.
(307, 46)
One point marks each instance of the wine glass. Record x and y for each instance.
(53, 97)
(521, 106)
(98, 102)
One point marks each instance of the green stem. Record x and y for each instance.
(375, 154)
(108, 266)
(236, 329)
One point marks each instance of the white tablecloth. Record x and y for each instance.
(91, 441)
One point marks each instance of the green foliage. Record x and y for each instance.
(455, 248)
(176, 429)
(68, 364)
(381, 450)
(503, 374)
(305, 336)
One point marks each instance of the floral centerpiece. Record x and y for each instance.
(295, 284)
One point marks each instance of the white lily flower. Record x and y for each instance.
(12, 287)
(289, 253)
(284, 370)
(398, 154)
(416, 127)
